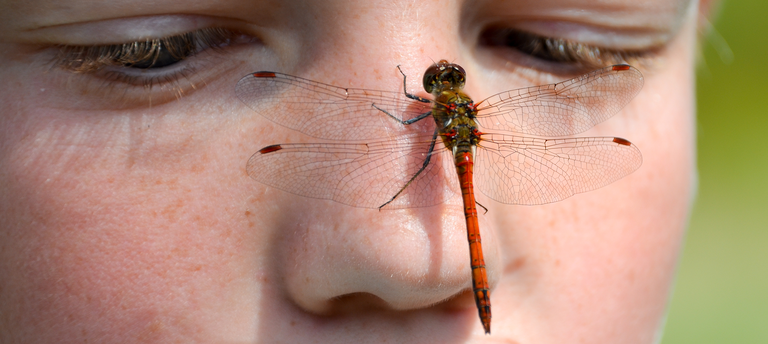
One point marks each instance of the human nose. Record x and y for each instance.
(346, 259)
(364, 259)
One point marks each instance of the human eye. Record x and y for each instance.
(157, 53)
(146, 72)
(562, 55)
(549, 40)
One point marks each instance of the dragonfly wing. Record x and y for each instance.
(527, 171)
(564, 108)
(361, 175)
(326, 111)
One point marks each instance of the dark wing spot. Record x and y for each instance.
(264, 74)
(621, 141)
(270, 149)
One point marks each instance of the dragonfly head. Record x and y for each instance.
(444, 75)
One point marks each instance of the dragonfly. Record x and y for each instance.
(379, 150)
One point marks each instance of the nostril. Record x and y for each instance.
(365, 302)
(356, 302)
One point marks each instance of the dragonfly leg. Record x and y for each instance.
(423, 167)
(406, 122)
(482, 206)
(411, 96)
(405, 89)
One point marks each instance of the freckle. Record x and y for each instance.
(247, 213)
(515, 265)
(151, 330)
(293, 323)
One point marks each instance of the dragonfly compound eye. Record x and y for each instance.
(444, 75)
(431, 77)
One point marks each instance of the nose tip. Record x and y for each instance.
(392, 263)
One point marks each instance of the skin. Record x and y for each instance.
(127, 215)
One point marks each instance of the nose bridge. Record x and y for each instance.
(386, 34)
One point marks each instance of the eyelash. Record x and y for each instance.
(152, 54)
(562, 51)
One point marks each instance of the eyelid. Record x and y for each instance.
(105, 77)
(556, 55)
(610, 38)
(91, 58)
(121, 30)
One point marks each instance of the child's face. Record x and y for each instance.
(127, 214)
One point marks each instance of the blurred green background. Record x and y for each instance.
(721, 293)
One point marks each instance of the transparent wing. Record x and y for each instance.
(527, 171)
(326, 111)
(363, 175)
(564, 108)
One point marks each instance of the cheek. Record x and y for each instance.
(87, 230)
(601, 264)
(644, 219)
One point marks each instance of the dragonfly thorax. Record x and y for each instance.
(453, 108)
(462, 106)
